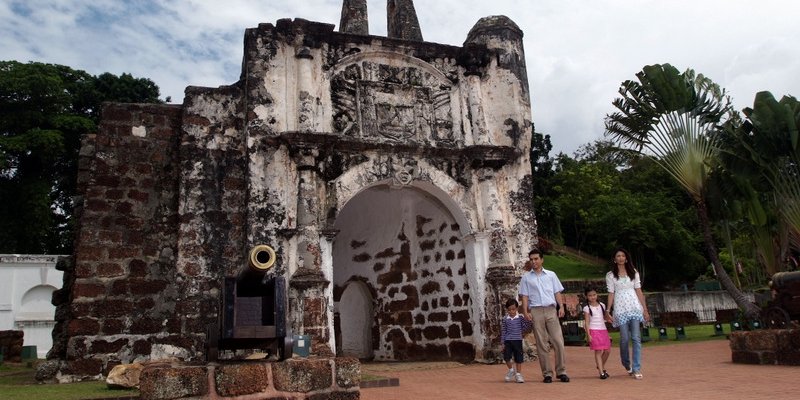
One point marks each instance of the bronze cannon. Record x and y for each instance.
(785, 304)
(254, 310)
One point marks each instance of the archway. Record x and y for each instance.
(357, 321)
(404, 243)
(36, 318)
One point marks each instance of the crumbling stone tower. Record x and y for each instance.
(390, 175)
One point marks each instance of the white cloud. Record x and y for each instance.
(577, 51)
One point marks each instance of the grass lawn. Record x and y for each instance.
(568, 268)
(694, 333)
(17, 383)
(371, 377)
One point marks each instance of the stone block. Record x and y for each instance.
(745, 357)
(83, 326)
(109, 270)
(767, 357)
(737, 341)
(104, 346)
(113, 326)
(142, 347)
(157, 383)
(783, 339)
(434, 352)
(88, 290)
(461, 351)
(348, 372)
(143, 326)
(125, 376)
(114, 308)
(791, 357)
(147, 286)
(354, 395)
(794, 338)
(765, 340)
(434, 332)
(438, 317)
(117, 253)
(302, 375)
(454, 331)
(86, 366)
(242, 379)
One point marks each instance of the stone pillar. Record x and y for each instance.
(474, 59)
(308, 211)
(476, 118)
(309, 308)
(305, 90)
(502, 284)
(402, 20)
(354, 17)
(493, 223)
(326, 243)
(309, 302)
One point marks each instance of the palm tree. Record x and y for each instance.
(763, 154)
(675, 118)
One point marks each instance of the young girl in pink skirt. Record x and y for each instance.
(594, 315)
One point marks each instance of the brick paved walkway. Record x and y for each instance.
(677, 371)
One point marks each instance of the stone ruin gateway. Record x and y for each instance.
(391, 176)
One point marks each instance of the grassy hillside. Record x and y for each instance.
(569, 268)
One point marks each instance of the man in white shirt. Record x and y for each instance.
(543, 303)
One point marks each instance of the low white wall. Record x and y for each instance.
(27, 283)
(704, 304)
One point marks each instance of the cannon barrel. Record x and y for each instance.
(254, 304)
(262, 258)
(785, 280)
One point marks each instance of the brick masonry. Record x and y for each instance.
(11, 345)
(311, 378)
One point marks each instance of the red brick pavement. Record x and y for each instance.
(700, 370)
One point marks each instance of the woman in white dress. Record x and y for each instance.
(626, 299)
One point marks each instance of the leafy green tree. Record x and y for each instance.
(612, 198)
(548, 214)
(675, 118)
(651, 216)
(45, 109)
(576, 185)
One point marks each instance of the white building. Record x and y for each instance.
(27, 283)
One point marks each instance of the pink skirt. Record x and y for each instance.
(600, 339)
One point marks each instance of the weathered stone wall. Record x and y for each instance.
(121, 285)
(175, 197)
(211, 209)
(769, 346)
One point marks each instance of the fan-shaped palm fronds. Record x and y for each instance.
(684, 147)
(675, 118)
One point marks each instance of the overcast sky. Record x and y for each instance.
(578, 52)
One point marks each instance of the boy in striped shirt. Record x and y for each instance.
(511, 335)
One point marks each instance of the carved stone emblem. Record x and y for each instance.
(405, 171)
(398, 104)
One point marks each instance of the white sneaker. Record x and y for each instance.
(519, 378)
(510, 375)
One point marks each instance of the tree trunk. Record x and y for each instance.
(750, 309)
